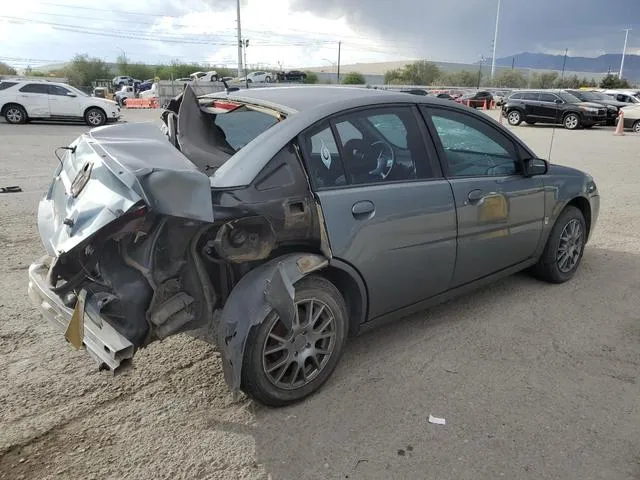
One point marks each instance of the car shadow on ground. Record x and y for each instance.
(522, 370)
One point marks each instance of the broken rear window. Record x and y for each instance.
(242, 125)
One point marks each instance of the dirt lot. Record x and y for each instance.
(535, 381)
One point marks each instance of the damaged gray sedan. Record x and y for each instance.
(276, 222)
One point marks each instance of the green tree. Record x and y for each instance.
(544, 80)
(311, 77)
(6, 69)
(421, 72)
(568, 82)
(509, 79)
(353, 78)
(84, 70)
(38, 73)
(612, 81)
(463, 78)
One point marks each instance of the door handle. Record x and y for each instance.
(363, 208)
(475, 195)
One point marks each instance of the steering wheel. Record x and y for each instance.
(385, 158)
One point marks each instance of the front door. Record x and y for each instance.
(500, 212)
(34, 97)
(387, 209)
(63, 102)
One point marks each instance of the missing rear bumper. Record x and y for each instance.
(109, 349)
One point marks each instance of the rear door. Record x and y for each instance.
(63, 102)
(387, 208)
(34, 97)
(548, 107)
(500, 212)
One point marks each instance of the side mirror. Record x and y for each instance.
(558, 101)
(535, 166)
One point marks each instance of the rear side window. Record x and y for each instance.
(5, 85)
(35, 88)
(242, 125)
(516, 96)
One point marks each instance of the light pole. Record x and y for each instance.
(239, 42)
(495, 41)
(624, 50)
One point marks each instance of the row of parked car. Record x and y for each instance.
(573, 109)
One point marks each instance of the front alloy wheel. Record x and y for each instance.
(95, 117)
(565, 246)
(281, 365)
(571, 121)
(636, 126)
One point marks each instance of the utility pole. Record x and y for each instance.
(495, 42)
(339, 45)
(624, 50)
(480, 71)
(245, 44)
(239, 42)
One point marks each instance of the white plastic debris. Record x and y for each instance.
(436, 420)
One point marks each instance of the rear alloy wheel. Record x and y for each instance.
(514, 117)
(283, 366)
(267, 79)
(95, 117)
(564, 249)
(15, 114)
(571, 121)
(636, 126)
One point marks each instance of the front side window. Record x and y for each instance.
(473, 148)
(58, 90)
(531, 96)
(372, 146)
(35, 88)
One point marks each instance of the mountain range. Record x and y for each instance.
(602, 64)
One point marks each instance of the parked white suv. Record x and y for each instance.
(257, 77)
(21, 101)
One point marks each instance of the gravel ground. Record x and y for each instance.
(534, 380)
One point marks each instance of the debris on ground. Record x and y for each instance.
(437, 420)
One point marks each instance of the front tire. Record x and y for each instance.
(94, 117)
(284, 366)
(636, 126)
(267, 79)
(514, 117)
(565, 246)
(571, 121)
(15, 114)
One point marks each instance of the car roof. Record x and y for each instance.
(302, 99)
(305, 106)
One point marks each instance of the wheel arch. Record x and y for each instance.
(3, 110)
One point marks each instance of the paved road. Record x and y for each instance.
(534, 380)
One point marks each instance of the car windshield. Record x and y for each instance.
(567, 97)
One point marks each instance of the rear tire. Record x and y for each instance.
(267, 79)
(568, 236)
(636, 126)
(304, 367)
(514, 117)
(15, 114)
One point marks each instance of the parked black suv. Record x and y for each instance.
(553, 106)
(613, 105)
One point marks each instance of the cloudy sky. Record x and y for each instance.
(298, 33)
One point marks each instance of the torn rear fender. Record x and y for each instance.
(267, 287)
